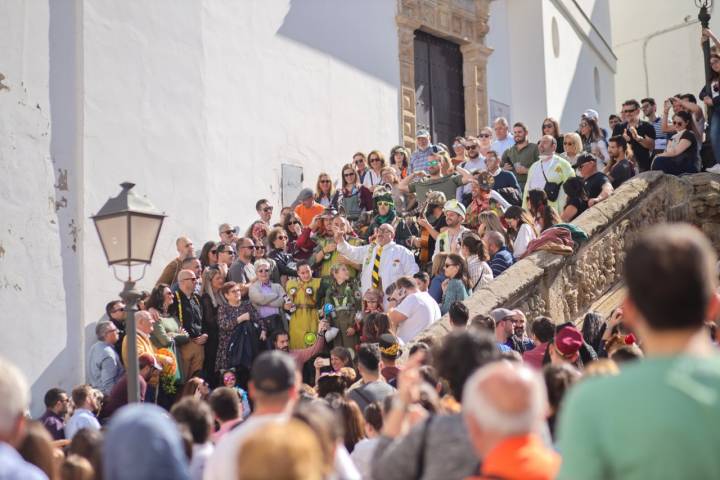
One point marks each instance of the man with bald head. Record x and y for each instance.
(383, 261)
(503, 405)
(550, 168)
(186, 308)
(185, 249)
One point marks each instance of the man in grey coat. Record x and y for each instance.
(104, 368)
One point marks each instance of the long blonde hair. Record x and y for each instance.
(318, 192)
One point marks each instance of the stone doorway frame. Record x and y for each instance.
(464, 22)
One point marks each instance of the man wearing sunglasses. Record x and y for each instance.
(264, 210)
(421, 183)
(184, 248)
(242, 270)
(228, 234)
(638, 133)
(186, 308)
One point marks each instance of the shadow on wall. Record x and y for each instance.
(355, 33)
(65, 117)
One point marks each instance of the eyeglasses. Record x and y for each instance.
(485, 135)
(359, 161)
(384, 204)
(374, 160)
(229, 252)
(214, 251)
(281, 237)
(548, 125)
(471, 147)
(325, 181)
(293, 222)
(192, 279)
(119, 310)
(432, 163)
(350, 174)
(229, 232)
(268, 209)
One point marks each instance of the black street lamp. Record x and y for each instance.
(704, 17)
(128, 226)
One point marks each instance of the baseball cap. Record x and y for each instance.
(273, 372)
(304, 194)
(590, 113)
(146, 359)
(584, 158)
(455, 207)
(500, 314)
(422, 133)
(568, 341)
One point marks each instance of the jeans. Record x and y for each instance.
(715, 134)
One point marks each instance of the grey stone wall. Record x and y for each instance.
(564, 287)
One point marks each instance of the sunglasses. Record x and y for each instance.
(629, 111)
(263, 270)
(348, 175)
(214, 251)
(384, 204)
(374, 160)
(281, 237)
(293, 222)
(324, 181)
(229, 232)
(485, 135)
(433, 163)
(229, 252)
(192, 279)
(359, 161)
(471, 147)
(261, 247)
(548, 125)
(119, 310)
(268, 209)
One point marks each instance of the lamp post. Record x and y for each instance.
(128, 226)
(704, 17)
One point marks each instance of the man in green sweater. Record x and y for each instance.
(659, 418)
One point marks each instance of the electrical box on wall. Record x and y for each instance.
(291, 182)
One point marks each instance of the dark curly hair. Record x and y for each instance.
(460, 354)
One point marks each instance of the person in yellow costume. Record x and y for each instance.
(303, 293)
(326, 254)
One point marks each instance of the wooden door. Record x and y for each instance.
(440, 99)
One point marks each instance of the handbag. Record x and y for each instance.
(552, 189)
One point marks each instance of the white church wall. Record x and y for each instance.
(498, 67)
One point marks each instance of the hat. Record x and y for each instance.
(485, 180)
(382, 194)
(568, 341)
(224, 227)
(304, 194)
(389, 345)
(273, 372)
(590, 113)
(329, 212)
(584, 158)
(435, 198)
(422, 133)
(455, 207)
(146, 359)
(500, 314)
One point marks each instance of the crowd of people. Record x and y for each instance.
(631, 396)
(296, 349)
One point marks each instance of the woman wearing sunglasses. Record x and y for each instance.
(278, 240)
(208, 254)
(681, 154)
(456, 286)
(551, 127)
(324, 190)
(352, 198)
(373, 177)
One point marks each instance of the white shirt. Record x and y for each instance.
(222, 463)
(501, 145)
(480, 272)
(371, 178)
(200, 455)
(82, 418)
(472, 165)
(421, 310)
(395, 261)
(524, 236)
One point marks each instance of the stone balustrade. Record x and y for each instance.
(564, 287)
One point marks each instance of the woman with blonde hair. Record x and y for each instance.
(573, 147)
(459, 153)
(373, 177)
(352, 198)
(490, 222)
(324, 190)
(437, 276)
(485, 139)
(282, 451)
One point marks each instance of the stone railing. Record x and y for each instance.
(564, 287)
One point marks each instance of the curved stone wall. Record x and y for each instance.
(564, 287)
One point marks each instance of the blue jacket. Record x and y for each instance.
(501, 261)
